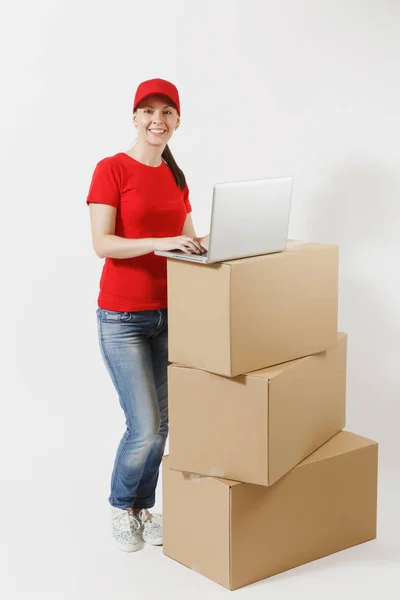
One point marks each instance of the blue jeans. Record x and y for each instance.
(134, 347)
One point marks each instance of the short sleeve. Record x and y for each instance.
(186, 199)
(104, 188)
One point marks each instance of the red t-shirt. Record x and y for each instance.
(149, 204)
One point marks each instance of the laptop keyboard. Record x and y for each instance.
(190, 253)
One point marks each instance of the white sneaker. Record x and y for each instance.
(151, 527)
(125, 528)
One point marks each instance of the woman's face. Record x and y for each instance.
(154, 113)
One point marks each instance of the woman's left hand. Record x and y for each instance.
(203, 241)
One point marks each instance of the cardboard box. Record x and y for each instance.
(257, 426)
(238, 533)
(242, 315)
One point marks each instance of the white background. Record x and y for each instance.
(268, 88)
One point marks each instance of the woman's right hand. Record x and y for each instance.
(180, 242)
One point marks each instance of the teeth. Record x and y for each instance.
(157, 130)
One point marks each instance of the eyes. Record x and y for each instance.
(166, 111)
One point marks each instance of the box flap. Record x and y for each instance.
(193, 476)
(267, 372)
(344, 441)
(274, 370)
(292, 246)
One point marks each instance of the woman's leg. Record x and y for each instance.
(159, 350)
(125, 341)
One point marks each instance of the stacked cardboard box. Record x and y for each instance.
(260, 475)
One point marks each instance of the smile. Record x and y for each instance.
(157, 131)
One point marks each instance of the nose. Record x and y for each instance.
(157, 116)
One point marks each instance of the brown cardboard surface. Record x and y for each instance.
(237, 316)
(327, 503)
(257, 426)
(199, 543)
(307, 407)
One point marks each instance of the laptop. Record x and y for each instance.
(248, 218)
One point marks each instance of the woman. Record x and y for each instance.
(139, 202)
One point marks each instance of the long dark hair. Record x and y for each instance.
(176, 171)
(171, 162)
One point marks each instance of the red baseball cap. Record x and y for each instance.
(157, 86)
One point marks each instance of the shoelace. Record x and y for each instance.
(146, 516)
(133, 518)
